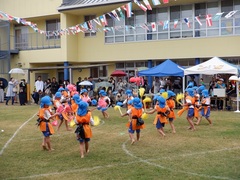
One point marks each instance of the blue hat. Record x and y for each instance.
(94, 102)
(200, 89)
(102, 92)
(58, 95)
(170, 94)
(205, 93)
(130, 102)
(46, 100)
(82, 108)
(66, 89)
(190, 84)
(161, 102)
(137, 103)
(128, 92)
(190, 92)
(155, 97)
(83, 91)
(161, 91)
(76, 98)
(61, 89)
(194, 88)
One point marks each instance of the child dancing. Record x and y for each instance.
(83, 131)
(135, 123)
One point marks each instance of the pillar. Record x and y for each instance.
(197, 61)
(149, 78)
(66, 71)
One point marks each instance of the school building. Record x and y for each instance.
(68, 39)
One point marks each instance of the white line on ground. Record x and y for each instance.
(8, 142)
(75, 170)
(171, 169)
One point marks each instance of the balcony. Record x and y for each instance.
(34, 41)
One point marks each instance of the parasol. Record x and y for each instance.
(103, 84)
(85, 83)
(138, 80)
(118, 73)
(16, 71)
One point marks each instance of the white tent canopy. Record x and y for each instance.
(213, 66)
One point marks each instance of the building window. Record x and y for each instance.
(162, 17)
(51, 27)
(175, 16)
(151, 18)
(200, 12)
(187, 12)
(98, 72)
(226, 24)
(91, 25)
(171, 22)
(237, 17)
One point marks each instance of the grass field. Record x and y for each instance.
(211, 152)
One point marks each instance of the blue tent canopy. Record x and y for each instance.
(167, 68)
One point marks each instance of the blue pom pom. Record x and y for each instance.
(119, 103)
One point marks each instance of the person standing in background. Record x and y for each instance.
(54, 87)
(156, 85)
(91, 88)
(77, 84)
(39, 89)
(47, 87)
(22, 92)
(112, 81)
(2, 87)
(10, 91)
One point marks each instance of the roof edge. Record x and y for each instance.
(79, 6)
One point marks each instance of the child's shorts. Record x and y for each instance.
(207, 114)
(190, 112)
(159, 124)
(47, 132)
(130, 130)
(81, 140)
(170, 119)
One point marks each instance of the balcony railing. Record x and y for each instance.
(33, 41)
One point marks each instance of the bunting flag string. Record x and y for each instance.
(100, 24)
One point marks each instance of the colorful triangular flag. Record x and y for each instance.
(217, 16)
(156, 2)
(209, 20)
(187, 22)
(140, 5)
(154, 27)
(198, 20)
(146, 2)
(230, 14)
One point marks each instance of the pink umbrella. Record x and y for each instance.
(137, 80)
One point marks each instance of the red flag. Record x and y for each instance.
(209, 20)
(147, 4)
(165, 1)
(140, 5)
(129, 9)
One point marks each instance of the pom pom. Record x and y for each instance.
(144, 116)
(119, 104)
(55, 123)
(96, 120)
(94, 102)
(164, 95)
(72, 123)
(147, 99)
(141, 91)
